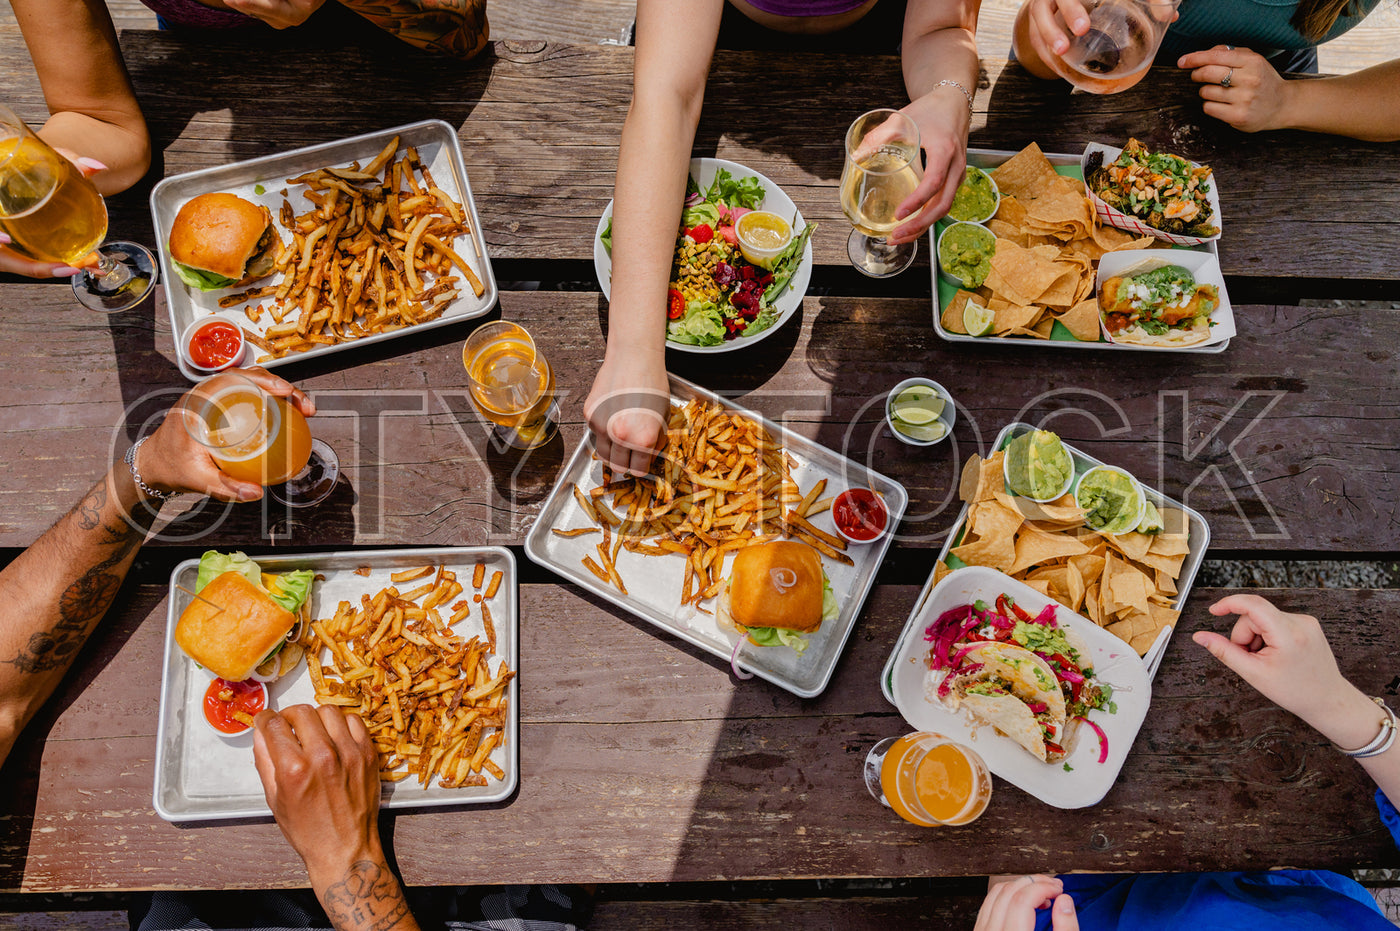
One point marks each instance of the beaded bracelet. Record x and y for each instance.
(136, 476)
(1383, 739)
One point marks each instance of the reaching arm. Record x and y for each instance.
(320, 771)
(54, 593)
(1364, 105)
(94, 110)
(454, 27)
(675, 42)
(1286, 657)
(940, 45)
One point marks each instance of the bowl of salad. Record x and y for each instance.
(717, 300)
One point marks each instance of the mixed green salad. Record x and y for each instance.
(715, 293)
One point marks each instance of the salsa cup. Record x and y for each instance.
(192, 331)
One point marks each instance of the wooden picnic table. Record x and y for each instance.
(642, 759)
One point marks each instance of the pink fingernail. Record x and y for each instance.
(5, 240)
(92, 163)
(65, 271)
(249, 494)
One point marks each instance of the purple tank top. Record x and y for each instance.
(191, 14)
(804, 7)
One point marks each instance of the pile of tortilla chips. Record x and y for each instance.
(1124, 583)
(1047, 244)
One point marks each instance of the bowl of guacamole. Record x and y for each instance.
(1037, 466)
(1112, 500)
(965, 253)
(977, 198)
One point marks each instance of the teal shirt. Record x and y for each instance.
(1262, 25)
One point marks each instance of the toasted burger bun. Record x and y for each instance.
(777, 584)
(231, 626)
(225, 235)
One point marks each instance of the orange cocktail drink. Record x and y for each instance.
(512, 383)
(929, 780)
(253, 436)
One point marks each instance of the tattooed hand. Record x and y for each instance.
(453, 27)
(321, 775)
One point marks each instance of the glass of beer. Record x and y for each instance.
(511, 384)
(883, 167)
(258, 437)
(1119, 47)
(928, 780)
(53, 214)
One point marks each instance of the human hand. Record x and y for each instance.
(1011, 905)
(1239, 87)
(320, 772)
(1284, 656)
(627, 411)
(943, 120)
(16, 264)
(1054, 24)
(173, 460)
(279, 14)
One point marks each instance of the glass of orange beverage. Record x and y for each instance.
(53, 214)
(512, 384)
(928, 780)
(258, 437)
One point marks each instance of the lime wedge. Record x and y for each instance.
(924, 432)
(914, 394)
(914, 415)
(978, 320)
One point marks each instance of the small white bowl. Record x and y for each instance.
(996, 197)
(199, 324)
(228, 734)
(1069, 480)
(854, 541)
(761, 256)
(1137, 486)
(938, 253)
(949, 416)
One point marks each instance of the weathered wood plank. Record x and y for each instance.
(815, 914)
(1284, 441)
(719, 780)
(540, 125)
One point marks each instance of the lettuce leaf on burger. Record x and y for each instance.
(222, 241)
(777, 592)
(243, 622)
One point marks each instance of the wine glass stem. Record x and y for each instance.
(106, 265)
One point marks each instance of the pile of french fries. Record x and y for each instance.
(356, 262)
(722, 483)
(432, 704)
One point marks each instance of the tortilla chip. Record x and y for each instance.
(971, 473)
(1044, 328)
(1170, 544)
(1074, 585)
(1091, 603)
(953, 313)
(1090, 567)
(1130, 586)
(993, 552)
(1019, 173)
(1017, 317)
(1040, 586)
(1020, 275)
(1035, 547)
(1165, 583)
(940, 570)
(1171, 565)
(1131, 545)
(1082, 320)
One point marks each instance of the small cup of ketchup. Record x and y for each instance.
(860, 515)
(213, 344)
(224, 698)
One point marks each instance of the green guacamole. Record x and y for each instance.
(965, 252)
(975, 199)
(1110, 501)
(1038, 465)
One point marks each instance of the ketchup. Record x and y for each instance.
(215, 344)
(860, 514)
(249, 696)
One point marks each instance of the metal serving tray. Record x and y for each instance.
(654, 582)
(1198, 540)
(942, 292)
(440, 150)
(201, 776)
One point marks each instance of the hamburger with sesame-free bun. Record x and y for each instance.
(776, 593)
(223, 241)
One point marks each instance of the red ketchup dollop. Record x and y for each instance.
(215, 344)
(860, 514)
(248, 696)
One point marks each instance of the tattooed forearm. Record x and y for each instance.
(87, 598)
(367, 899)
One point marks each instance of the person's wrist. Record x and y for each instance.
(328, 867)
(1346, 717)
(1291, 95)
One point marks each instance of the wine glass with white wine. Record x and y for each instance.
(883, 167)
(53, 214)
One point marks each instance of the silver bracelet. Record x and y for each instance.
(136, 476)
(1383, 739)
(965, 92)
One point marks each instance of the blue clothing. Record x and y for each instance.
(1282, 900)
(1262, 25)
